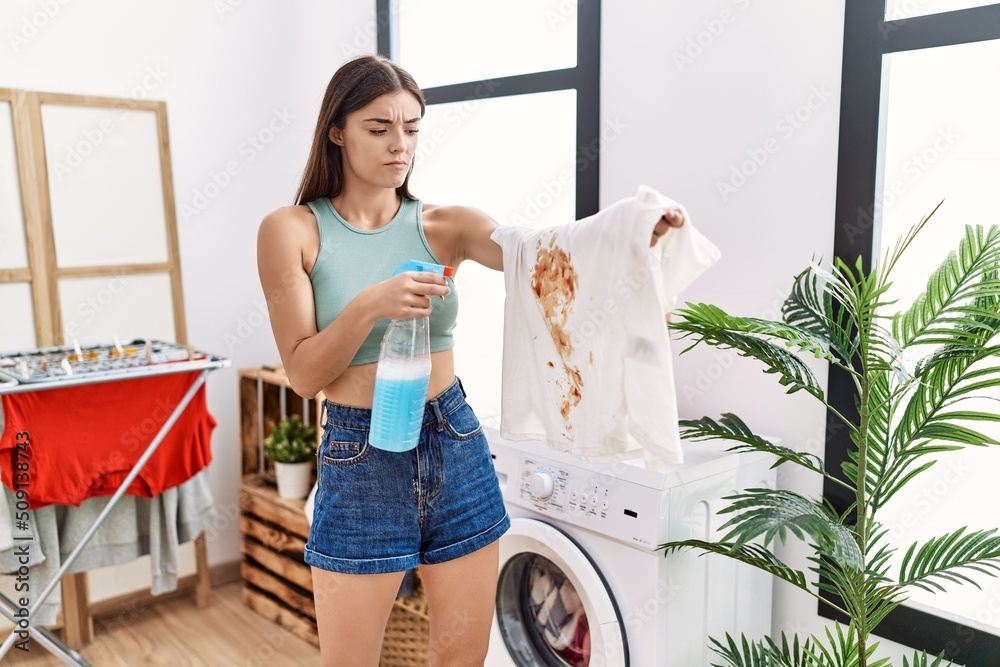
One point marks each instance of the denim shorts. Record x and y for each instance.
(378, 511)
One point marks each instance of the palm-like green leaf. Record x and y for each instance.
(811, 307)
(882, 475)
(862, 294)
(882, 594)
(884, 353)
(843, 650)
(832, 579)
(928, 396)
(774, 513)
(837, 581)
(792, 653)
(945, 375)
(963, 368)
(921, 660)
(932, 317)
(841, 282)
(946, 557)
(902, 243)
(802, 340)
(945, 378)
(941, 381)
(711, 325)
(768, 653)
(879, 601)
(862, 595)
(879, 553)
(764, 653)
(731, 427)
(751, 554)
(955, 433)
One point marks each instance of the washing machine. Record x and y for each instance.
(581, 583)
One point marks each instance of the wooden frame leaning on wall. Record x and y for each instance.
(43, 272)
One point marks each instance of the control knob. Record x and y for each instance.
(540, 484)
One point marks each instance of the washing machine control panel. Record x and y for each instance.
(548, 487)
(543, 485)
(598, 501)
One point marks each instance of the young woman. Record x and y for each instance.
(325, 266)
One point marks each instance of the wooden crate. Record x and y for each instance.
(277, 583)
(266, 398)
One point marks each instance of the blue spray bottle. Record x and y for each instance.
(402, 376)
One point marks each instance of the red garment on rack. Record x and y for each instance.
(85, 439)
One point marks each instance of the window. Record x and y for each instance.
(921, 95)
(510, 131)
(903, 9)
(477, 38)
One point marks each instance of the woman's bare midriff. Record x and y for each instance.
(356, 385)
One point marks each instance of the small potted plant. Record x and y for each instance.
(292, 447)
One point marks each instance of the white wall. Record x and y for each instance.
(694, 90)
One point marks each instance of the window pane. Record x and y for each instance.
(13, 251)
(18, 329)
(127, 306)
(941, 141)
(498, 156)
(105, 185)
(453, 41)
(896, 10)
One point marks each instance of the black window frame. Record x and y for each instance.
(584, 78)
(867, 38)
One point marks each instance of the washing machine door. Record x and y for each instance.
(554, 608)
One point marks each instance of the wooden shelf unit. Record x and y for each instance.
(276, 581)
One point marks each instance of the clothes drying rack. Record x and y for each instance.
(95, 364)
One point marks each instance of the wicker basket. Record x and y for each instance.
(407, 634)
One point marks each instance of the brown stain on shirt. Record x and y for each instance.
(554, 281)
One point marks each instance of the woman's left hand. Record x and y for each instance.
(672, 218)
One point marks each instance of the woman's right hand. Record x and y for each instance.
(407, 295)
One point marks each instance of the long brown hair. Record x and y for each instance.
(356, 84)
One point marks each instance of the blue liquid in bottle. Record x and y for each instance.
(398, 406)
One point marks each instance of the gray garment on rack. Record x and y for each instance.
(135, 527)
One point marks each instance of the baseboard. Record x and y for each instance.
(219, 575)
(225, 573)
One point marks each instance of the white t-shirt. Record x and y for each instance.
(586, 355)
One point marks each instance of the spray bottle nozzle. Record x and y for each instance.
(417, 265)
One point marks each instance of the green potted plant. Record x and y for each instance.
(292, 447)
(906, 414)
